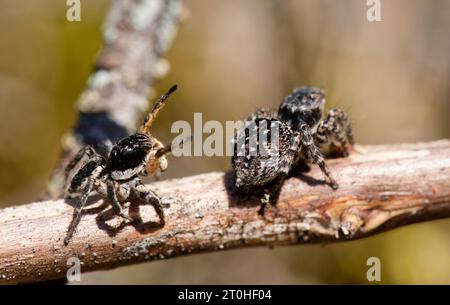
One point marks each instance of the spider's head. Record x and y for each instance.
(140, 153)
(303, 105)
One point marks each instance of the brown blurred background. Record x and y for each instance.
(230, 57)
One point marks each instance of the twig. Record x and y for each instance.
(381, 187)
(136, 34)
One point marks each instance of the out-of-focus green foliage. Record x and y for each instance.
(230, 57)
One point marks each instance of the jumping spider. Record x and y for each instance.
(301, 132)
(116, 176)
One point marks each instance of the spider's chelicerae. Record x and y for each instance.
(301, 134)
(116, 176)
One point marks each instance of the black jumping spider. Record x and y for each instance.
(116, 176)
(301, 133)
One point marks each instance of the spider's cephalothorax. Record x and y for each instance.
(301, 132)
(116, 176)
(303, 106)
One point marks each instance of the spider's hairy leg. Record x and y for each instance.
(111, 192)
(86, 150)
(82, 184)
(78, 210)
(159, 104)
(313, 154)
(335, 130)
(147, 196)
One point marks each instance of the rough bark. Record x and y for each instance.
(381, 187)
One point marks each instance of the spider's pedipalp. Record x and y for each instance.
(159, 104)
(167, 149)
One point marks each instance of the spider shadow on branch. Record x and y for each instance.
(136, 221)
(102, 208)
(300, 172)
(251, 196)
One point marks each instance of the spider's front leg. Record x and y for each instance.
(336, 131)
(147, 196)
(313, 154)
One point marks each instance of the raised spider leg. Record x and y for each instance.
(86, 150)
(159, 104)
(313, 154)
(147, 196)
(111, 192)
(77, 211)
(336, 131)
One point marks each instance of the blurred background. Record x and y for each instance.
(229, 58)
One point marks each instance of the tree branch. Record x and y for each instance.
(381, 187)
(135, 35)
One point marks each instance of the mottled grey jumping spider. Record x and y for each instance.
(301, 132)
(116, 176)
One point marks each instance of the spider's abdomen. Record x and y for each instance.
(262, 151)
(128, 157)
